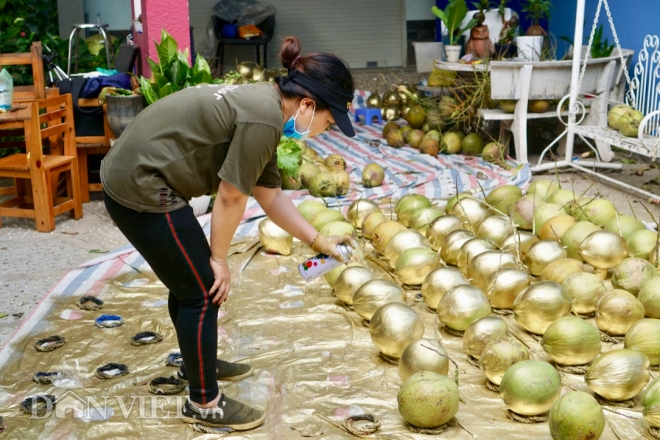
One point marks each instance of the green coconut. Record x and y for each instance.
(530, 388)
(522, 212)
(576, 416)
(644, 336)
(649, 296)
(571, 341)
(624, 225)
(543, 187)
(575, 235)
(559, 270)
(641, 243)
(632, 273)
(597, 211)
(651, 403)
(405, 208)
(320, 218)
(428, 399)
(339, 227)
(562, 197)
(308, 208)
(615, 114)
(472, 145)
(422, 218)
(373, 175)
(504, 196)
(499, 355)
(323, 185)
(544, 213)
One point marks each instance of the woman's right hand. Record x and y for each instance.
(222, 280)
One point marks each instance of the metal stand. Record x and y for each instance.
(74, 36)
(49, 60)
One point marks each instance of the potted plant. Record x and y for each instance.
(529, 46)
(122, 107)
(480, 45)
(505, 47)
(452, 17)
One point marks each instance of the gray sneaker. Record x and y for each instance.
(228, 413)
(225, 371)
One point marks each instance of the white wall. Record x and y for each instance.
(419, 10)
(116, 13)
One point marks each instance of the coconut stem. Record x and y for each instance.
(450, 360)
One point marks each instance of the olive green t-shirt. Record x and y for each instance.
(183, 145)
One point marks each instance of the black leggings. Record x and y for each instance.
(175, 247)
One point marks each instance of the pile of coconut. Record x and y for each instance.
(327, 177)
(568, 269)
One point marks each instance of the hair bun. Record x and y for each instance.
(289, 51)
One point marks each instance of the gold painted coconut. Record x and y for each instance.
(370, 222)
(453, 243)
(499, 354)
(419, 355)
(585, 289)
(359, 210)
(391, 113)
(440, 228)
(495, 228)
(571, 341)
(481, 332)
(374, 100)
(617, 310)
(383, 233)
(393, 326)
(461, 306)
(391, 99)
(540, 305)
(349, 281)
(375, 293)
(471, 212)
(619, 374)
(246, 68)
(274, 239)
(603, 249)
(520, 240)
(644, 336)
(503, 287)
(470, 250)
(439, 282)
(540, 254)
(401, 242)
(561, 269)
(413, 265)
(484, 265)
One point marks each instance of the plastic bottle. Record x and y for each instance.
(6, 90)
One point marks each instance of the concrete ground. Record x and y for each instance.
(33, 262)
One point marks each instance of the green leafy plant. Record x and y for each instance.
(172, 72)
(536, 10)
(289, 154)
(452, 16)
(599, 48)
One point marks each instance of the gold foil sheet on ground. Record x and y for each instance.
(315, 365)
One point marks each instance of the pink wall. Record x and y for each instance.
(173, 16)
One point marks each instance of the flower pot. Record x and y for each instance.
(505, 51)
(453, 53)
(122, 110)
(529, 48)
(200, 205)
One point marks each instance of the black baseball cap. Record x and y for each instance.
(338, 101)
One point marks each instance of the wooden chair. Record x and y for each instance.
(36, 174)
(38, 89)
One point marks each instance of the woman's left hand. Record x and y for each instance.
(222, 280)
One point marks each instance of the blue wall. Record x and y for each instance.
(633, 20)
(516, 5)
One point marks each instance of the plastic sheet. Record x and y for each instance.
(315, 363)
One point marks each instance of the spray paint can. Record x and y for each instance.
(321, 264)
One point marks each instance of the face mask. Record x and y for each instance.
(290, 131)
